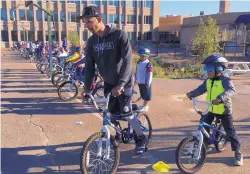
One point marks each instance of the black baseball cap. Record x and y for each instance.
(90, 11)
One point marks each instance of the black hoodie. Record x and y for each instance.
(112, 54)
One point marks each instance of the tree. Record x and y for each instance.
(206, 39)
(74, 38)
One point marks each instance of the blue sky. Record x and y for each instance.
(178, 7)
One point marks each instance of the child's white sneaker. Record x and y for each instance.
(143, 108)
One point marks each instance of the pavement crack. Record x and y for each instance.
(48, 150)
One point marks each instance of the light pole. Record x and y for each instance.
(28, 3)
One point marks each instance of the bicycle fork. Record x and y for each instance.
(107, 133)
(198, 134)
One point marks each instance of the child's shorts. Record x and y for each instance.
(145, 92)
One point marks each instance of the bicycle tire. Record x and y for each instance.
(54, 75)
(143, 114)
(60, 80)
(71, 97)
(202, 158)
(92, 138)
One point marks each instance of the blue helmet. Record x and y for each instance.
(216, 61)
(143, 52)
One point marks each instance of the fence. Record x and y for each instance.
(156, 48)
(241, 50)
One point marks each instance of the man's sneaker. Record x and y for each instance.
(143, 109)
(238, 161)
(140, 144)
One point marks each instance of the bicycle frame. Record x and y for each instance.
(201, 129)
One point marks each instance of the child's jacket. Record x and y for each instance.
(221, 88)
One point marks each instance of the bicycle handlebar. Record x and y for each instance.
(203, 102)
(100, 100)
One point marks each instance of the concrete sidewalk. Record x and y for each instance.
(39, 134)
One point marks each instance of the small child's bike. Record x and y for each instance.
(191, 152)
(100, 153)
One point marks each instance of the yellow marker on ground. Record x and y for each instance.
(161, 167)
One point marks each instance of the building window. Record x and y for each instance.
(14, 35)
(62, 16)
(147, 19)
(148, 4)
(84, 35)
(140, 4)
(123, 18)
(24, 36)
(90, 2)
(3, 14)
(40, 35)
(104, 2)
(72, 17)
(122, 3)
(22, 15)
(5, 36)
(131, 19)
(84, 2)
(12, 14)
(54, 36)
(31, 36)
(104, 18)
(131, 35)
(113, 19)
(139, 36)
(131, 3)
(30, 16)
(73, 1)
(26, 15)
(54, 16)
(231, 26)
(148, 35)
(39, 15)
(113, 3)
(139, 19)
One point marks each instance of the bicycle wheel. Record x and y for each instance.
(43, 68)
(90, 162)
(60, 80)
(145, 124)
(67, 91)
(55, 77)
(184, 155)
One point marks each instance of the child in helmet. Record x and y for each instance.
(143, 77)
(220, 90)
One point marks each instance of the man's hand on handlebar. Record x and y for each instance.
(117, 91)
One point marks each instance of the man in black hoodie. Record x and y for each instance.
(109, 48)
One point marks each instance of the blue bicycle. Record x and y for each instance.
(100, 153)
(191, 152)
